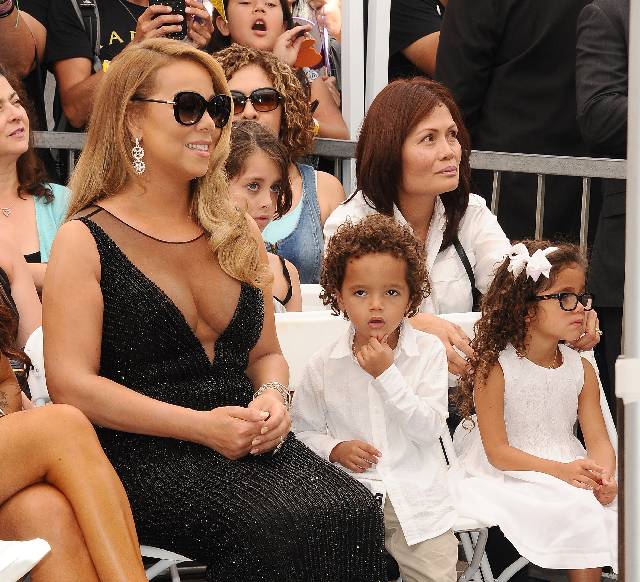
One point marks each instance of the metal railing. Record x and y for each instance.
(497, 162)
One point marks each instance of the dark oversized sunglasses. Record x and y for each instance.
(569, 301)
(263, 100)
(189, 107)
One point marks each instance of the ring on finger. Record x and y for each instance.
(281, 438)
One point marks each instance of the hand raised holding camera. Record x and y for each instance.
(157, 21)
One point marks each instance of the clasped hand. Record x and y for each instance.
(587, 474)
(236, 431)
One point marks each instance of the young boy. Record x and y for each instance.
(375, 401)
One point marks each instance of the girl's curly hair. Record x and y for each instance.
(506, 309)
(296, 125)
(248, 137)
(375, 234)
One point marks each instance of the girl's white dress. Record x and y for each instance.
(551, 523)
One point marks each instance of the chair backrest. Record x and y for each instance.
(302, 334)
(311, 298)
(37, 381)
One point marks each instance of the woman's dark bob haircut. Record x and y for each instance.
(397, 109)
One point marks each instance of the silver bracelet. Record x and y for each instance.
(278, 387)
(2, 413)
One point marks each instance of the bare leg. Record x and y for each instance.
(58, 445)
(586, 575)
(42, 511)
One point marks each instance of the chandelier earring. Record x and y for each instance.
(138, 158)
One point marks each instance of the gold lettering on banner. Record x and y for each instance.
(114, 36)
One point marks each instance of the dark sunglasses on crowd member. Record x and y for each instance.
(569, 301)
(189, 107)
(263, 100)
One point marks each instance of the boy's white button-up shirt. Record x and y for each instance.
(479, 233)
(402, 413)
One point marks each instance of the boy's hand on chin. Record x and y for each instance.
(375, 356)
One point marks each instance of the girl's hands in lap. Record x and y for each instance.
(277, 426)
(453, 337)
(231, 429)
(608, 491)
(582, 473)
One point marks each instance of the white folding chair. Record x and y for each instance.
(311, 298)
(302, 334)
(36, 379)
(40, 396)
(19, 558)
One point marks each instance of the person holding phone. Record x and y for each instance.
(70, 53)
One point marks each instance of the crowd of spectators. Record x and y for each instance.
(533, 76)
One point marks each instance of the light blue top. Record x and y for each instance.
(276, 230)
(50, 216)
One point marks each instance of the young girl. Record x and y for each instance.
(375, 400)
(258, 173)
(267, 25)
(554, 500)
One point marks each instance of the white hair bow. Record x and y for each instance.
(536, 264)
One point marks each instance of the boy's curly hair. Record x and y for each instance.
(296, 125)
(374, 234)
(506, 309)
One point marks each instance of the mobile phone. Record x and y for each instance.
(177, 7)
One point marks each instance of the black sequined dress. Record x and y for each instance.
(289, 517)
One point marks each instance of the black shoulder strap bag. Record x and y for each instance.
(467, 267)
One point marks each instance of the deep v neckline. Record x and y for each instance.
(202, 352)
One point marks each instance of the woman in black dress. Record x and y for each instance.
(156, 327)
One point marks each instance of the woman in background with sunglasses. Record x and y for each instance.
(157, 328)
(266, 90)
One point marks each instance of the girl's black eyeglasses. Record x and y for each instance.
(263, 100)
(569, 301)
(189, 107)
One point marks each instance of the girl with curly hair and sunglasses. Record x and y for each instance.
(375, 400)
(266, 90)
(522, 466)
(267, 25)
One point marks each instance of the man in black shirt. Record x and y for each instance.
(413, 37)
(510, 65)
(70, 55)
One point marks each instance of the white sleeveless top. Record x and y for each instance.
(541, 404)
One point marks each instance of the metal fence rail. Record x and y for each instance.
(497, 162)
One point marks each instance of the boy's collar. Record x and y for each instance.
(406, 342)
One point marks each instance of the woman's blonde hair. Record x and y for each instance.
(296, 125)
(105, 167)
